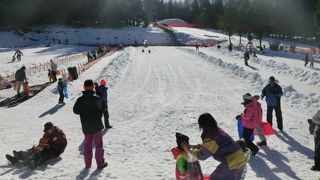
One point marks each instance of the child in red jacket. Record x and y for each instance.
(26, 89)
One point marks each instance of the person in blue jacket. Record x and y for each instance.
(273, 93)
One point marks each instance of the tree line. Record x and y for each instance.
(285, 18)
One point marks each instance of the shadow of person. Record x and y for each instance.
(26, 172)
(95, 173)
(9, 167)
(315, 68)
(294, 145)
(83, 174)
(51, 111)
(277, 159)
(261, 168)
(254, 68)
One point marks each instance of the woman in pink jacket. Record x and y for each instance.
(251, 117)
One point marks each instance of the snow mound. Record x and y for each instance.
(292, 95)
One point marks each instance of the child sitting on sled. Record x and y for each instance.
(186, 167)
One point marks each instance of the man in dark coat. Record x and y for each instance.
(88, 107)
(51, 145)
(273, 93)
(20, 78)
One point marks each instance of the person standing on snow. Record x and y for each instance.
(306, 59)
(251, 119)
(20, 78)
(246, 57)
(315, 131)
(311, 61)
(273, 93)
(219, 145)
(102, 92)
(53, 67)
(88, 107)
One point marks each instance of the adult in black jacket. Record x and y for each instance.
(20, 78)
(88, 107)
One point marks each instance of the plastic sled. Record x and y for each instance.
(240, 130)
(266, 129)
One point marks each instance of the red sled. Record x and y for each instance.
(266, 129)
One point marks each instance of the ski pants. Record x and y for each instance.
(18, 85)
(222, 172)
(246, 136)
(61, 97)
(260, 133)
(278, 115)
(54, 75)
(317, 141)
(106, 117)
(33, 158)
(96, 139)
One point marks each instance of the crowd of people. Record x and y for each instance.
(232, 154)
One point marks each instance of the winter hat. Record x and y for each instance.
(247, 96)
(180, 138)
(23, 67)
(47, 126)
(88, 85)
(271, 78)
(103, 82)
(247, 99)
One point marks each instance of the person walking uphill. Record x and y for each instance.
(102, 92)
(88, 107)
(273, 93)
(221, 147)
(20, 78)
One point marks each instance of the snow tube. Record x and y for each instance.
(266, 129)
(240, 130)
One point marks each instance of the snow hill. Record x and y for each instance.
(152, 96)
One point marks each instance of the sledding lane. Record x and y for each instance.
(161, 93)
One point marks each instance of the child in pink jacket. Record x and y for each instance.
(251, 117)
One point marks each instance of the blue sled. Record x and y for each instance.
(240, 130)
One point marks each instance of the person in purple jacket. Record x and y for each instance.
(218, 144)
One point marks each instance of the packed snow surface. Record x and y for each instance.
(152, 96)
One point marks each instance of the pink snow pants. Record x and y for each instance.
(95, 138)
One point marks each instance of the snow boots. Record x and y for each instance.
(12, 159)
(316, 166)
(262, 143)
(103, 166)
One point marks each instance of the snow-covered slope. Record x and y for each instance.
(85, 36)
(152, 96)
